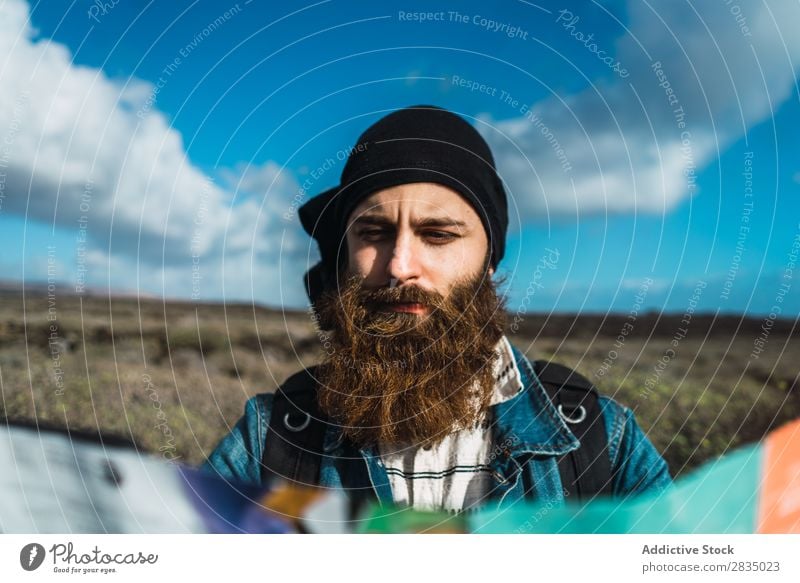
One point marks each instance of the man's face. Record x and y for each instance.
(411, 362)
(420, 234)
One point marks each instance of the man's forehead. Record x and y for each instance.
(420, 200)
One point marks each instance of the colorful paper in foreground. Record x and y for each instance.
(55, 482)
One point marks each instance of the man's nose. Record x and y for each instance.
(404, 264)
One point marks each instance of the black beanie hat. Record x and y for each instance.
(422, 143)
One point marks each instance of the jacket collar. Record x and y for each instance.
(529, 422)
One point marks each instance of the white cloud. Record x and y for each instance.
(622, 147)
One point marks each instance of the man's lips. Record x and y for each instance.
(407, 307)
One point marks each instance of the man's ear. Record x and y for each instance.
(491, 271)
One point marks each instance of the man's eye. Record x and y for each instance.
(440, 236)
(373, 234)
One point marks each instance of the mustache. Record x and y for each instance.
(411, 294)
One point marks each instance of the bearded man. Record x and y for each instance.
(421, 400)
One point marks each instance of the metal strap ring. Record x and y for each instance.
(296, 428)
(334, 445)
(581, 414)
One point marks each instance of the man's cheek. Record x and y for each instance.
(364, 262)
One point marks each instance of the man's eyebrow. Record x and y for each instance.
(440, 222)
(425, 222)
(372, 220)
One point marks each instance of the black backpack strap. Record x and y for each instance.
(293, 448)
(586, 471)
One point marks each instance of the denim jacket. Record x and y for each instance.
(529, 436)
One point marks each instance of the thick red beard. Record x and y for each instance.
(399, 377)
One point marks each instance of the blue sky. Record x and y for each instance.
(183, 136)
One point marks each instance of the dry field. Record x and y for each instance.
(173, 377)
